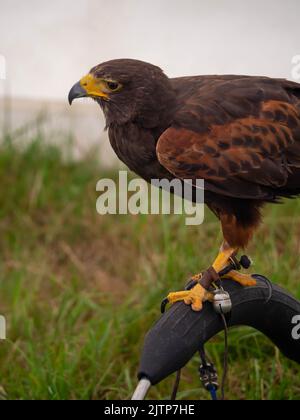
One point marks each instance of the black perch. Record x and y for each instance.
(181, 332)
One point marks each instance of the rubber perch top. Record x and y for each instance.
(180, 332)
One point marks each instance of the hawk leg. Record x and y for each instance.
(198, 294)
(226, 253)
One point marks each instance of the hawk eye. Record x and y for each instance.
(113, 86)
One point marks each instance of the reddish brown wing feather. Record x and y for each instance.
(246, 157)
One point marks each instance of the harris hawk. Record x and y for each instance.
(240, 134)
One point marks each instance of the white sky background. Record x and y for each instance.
(49, 45)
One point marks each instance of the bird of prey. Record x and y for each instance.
(240, 134)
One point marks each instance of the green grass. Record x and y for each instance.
(79, 290)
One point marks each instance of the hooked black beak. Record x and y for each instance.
(76, 92)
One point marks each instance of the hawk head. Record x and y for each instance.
(127, 90)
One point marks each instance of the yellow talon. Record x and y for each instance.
(197, 277)
(245, 280)
(198, 294)
(195, 297)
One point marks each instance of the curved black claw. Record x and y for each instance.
(191, 284)
(164, 305)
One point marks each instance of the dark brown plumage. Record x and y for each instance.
(240, 134)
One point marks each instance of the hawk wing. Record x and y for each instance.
(240, 134)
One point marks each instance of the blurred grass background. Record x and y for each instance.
(79, 290)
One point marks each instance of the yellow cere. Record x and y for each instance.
(94, 87)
